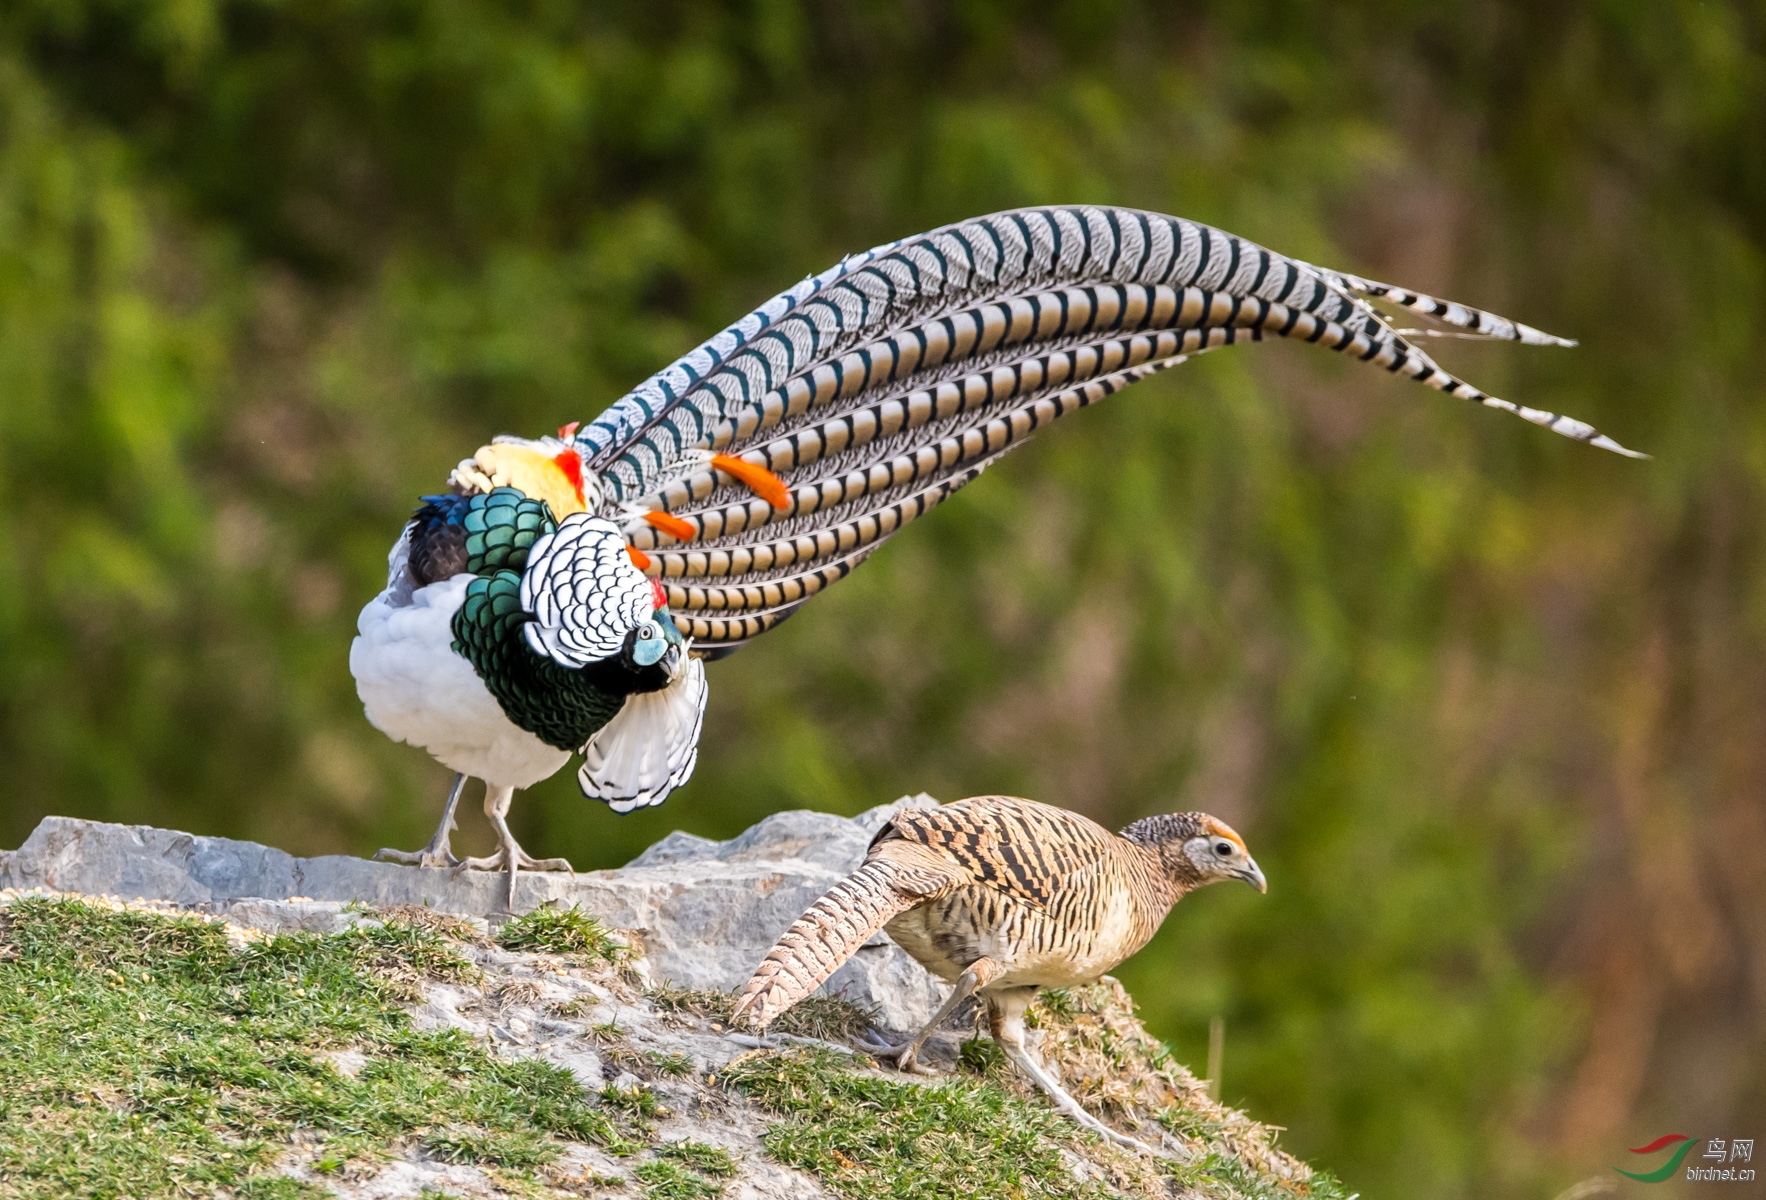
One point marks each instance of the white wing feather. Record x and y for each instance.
(650, 747)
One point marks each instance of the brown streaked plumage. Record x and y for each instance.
(1002, 896)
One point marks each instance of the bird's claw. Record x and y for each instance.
(1126, 1142)
(1086, 1121)
(522, 861)
(514, 859)
(906, 1057)
(429, 856)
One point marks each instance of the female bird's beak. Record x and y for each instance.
(1253, 875)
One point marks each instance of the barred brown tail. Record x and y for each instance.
(829, 933)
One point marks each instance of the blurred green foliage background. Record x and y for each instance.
(1487, 704)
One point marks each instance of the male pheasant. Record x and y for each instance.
(1001, 897)
(560, 598)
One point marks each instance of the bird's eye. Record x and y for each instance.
(1224, 849)
(648, 632)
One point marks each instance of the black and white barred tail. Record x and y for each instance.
(880, 387)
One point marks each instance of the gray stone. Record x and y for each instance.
(679, 846)
(705, 911)
(838, 843)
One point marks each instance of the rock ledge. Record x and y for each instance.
(706, 912)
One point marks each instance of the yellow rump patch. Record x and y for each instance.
(532, 473)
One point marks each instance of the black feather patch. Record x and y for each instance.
(438, 540)
(479, 535)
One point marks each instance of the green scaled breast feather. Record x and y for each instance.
(501, 527)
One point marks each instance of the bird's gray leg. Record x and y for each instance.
(1005, 1012)
(907, 1058)
(509, 854)
(438, 853)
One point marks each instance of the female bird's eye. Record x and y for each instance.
(1224, 849)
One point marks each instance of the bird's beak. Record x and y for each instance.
(673, 659)
(1253, 875)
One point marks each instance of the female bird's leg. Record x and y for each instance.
(438, 853)
(509, 854)
(907, 1058)
(1005, 1011)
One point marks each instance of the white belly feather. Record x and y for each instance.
(417, 690)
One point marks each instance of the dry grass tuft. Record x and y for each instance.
(828, 1018)
(445, 924)
(516, 992)
(1119, 1071)
(704, 1003)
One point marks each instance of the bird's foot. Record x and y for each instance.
(438, 853)
(1064, 1101)
(513, 858)
(906, 1057)
(432, 855)
(1090, 1122)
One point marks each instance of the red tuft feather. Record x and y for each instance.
(566, 432)
(658, 595)
(571, 463)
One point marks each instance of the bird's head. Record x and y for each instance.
(549, 469)
(1197, 849)
(655, 648)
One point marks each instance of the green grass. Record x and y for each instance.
(638, 1102)
(699, 1156)
(982, 1056)
(141, 1056)
(675, 1066)
(873, 1137)
(487, 1148)
(662, 1180)
(693, 1002)
(567, 931)
(684, 1171)
(278, 1187)
(1239, 1181)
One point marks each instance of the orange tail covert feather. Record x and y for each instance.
(755, 478)
(640, 560)
(679, 530)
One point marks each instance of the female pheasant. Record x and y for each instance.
(1001, 897)
(561, 597)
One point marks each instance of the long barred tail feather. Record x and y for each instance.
(829, 933)
(1424, 370)
(879, 388)
(1478, 322)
